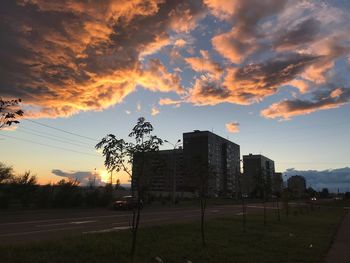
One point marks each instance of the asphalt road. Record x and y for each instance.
(28, 226)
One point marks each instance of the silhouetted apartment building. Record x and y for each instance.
(205, 155)
(296, 184)
(258, 174)
(217, 159)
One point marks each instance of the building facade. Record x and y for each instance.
(258, 174)
(220, 159)
(163, 172)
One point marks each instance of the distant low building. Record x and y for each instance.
(296, 184)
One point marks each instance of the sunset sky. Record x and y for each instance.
(270, 75)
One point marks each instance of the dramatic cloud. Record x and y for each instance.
(242, 40)
(84, 178)
(251, 83)
(289, 108)
(71, 56)
(232, 127)
(332, 179)
(208, 92)
(273, 44)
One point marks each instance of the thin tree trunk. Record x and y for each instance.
(244, 215)
(136, 221)
(264, 208)
(278, 211)
(203, 205)
(243, 206)
(264, 213)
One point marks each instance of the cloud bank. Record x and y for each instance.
(332, 179)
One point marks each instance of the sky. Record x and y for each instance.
(271, 75)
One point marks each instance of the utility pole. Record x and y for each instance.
(94, 178)
(174, 169)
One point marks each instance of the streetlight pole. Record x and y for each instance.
(240, 185)
(174, 169)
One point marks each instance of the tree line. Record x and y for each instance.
(23, 191)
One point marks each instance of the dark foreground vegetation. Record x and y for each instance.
(23, 191)
(302, 237)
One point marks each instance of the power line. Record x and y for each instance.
(47, 145)
(54, 139)
(54, 136)
(61, 130)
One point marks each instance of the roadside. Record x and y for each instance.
(303, 237)
(340, 249)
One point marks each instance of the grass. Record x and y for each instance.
(300, 238)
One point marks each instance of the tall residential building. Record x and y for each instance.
(205, 155)
(218, 158)
(258, 174)
(296, 184)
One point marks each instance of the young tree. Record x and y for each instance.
(119, 155)
(9, 112)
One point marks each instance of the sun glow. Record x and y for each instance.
(105, 176)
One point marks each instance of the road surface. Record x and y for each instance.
(28, 226)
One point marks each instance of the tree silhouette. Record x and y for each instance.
(6, 173)
(9, 112)
(119, 155)
(24, 187)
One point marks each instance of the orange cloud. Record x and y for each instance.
(233, 46)
(205, 64)
(301, 85)
(250, 83)
(180, 43)
(222, 8)
(154, 111)
(290, 108)
(232, 127)
(168, 101)
(184, 17)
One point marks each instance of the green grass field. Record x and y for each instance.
(300, 238)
